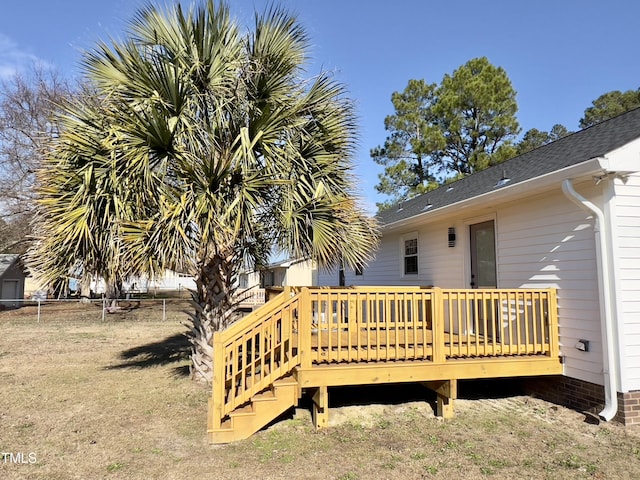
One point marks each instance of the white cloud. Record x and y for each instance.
(14, 60)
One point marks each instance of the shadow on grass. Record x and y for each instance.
(175, 348)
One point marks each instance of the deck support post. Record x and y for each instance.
(446, 391)
(320, 412)
(304, 328)
(214, 415)
(437, 325)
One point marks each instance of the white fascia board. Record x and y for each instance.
(533, 185)
(624, 160)
(286, 263)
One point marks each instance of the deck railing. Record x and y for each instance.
(320, 326)
(363, 324)
(251, 297)
(495, 322)
(254, 352)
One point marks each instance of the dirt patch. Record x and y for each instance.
(92, 399)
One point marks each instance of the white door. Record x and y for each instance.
(483, 275)
(483, 255)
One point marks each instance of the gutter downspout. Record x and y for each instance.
(604, 286)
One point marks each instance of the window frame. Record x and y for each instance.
(405, 239)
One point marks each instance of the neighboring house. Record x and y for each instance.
(12, 276)
(566, 215)
(292, 272)
(34, 289)
(296, 272)
(170, 281)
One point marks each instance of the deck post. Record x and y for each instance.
(554, 348)
(437, 322)
(304, 328)
(446, 391)
(218, 393)
(320, 412)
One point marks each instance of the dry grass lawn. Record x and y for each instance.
(85, 399)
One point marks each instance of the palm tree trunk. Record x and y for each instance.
(113, 289)
(85, 289)
(214, 311)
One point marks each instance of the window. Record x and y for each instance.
(266, 278)
(359, 270)
(411, 256)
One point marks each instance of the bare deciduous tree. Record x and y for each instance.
(27, 126)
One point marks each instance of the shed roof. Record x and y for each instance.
(592, 142)
(7, 260)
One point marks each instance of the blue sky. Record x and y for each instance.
(559, 54)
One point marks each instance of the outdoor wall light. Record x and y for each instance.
(452, 237)
(583, 345)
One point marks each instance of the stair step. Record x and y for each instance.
(243, 411)
(263, 407)
(224, 434)
(289, 380)
(264, 396)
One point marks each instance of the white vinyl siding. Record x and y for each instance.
(627, 228)
(438, 264)
(553, 245)
(301, 274)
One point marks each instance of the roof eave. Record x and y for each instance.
(594, 166)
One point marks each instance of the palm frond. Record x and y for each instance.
(199, 146)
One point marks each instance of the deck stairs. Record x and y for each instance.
(262, 409)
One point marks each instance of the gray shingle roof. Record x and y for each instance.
(592, 142)
(6, 260)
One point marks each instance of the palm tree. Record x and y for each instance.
(213, 149)
(80, 206)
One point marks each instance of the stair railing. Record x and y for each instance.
(254, 352)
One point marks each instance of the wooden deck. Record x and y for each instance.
(400, 345)
(323, 337)
(250, 298)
